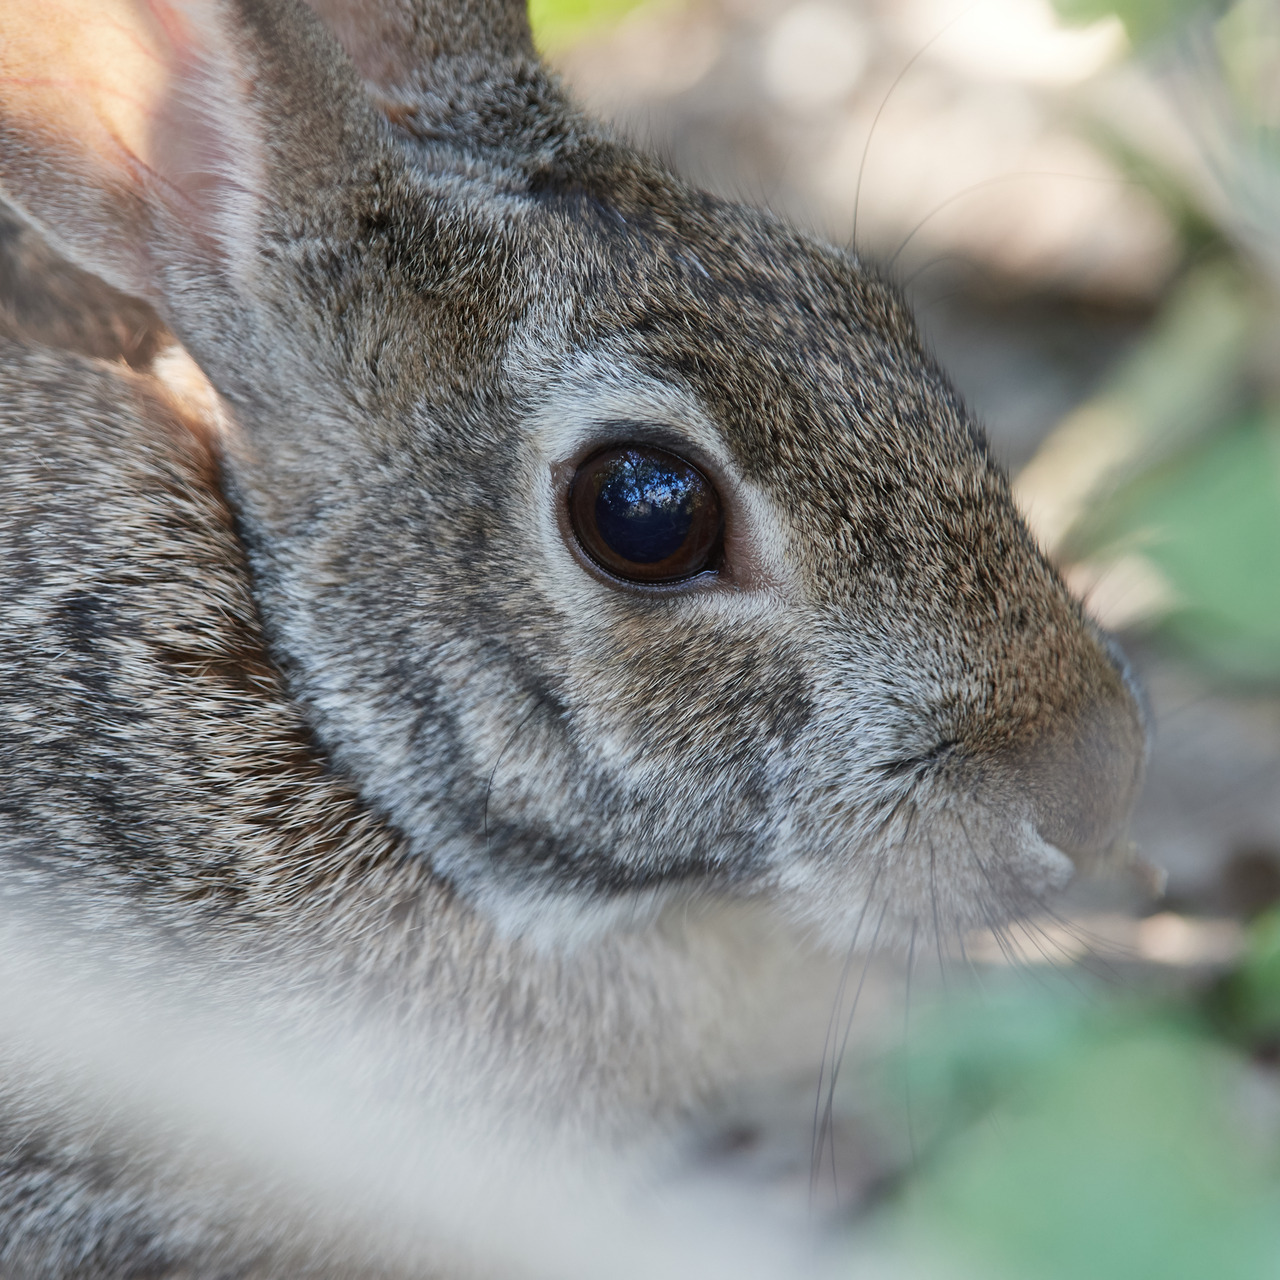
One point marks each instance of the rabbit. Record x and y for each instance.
(557, 559)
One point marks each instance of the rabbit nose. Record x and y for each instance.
(1083, 779)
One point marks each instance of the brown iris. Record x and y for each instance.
(645, 515)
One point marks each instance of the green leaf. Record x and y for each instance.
(1122, 1162)
(1210, 522)
(1249, 998)
(1071, 1137)
(1143, 19)
(557, 24)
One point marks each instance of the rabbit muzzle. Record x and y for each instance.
(953, 788)
(1082, 781)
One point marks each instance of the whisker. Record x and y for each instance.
(967, 959)
(1072, 928)
(906, 1047)
(829, 1041)
(1061, 964)
(493, 773)
(959, 259)
(1015, 914)
(844, 1045)
(1117, 180)
(996, 927)
(827, 1133)
(933, 896)
(884, 102)
(1094, 946)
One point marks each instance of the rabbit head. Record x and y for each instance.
(619, 542)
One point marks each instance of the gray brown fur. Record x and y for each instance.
(44, 299)
(374, 717)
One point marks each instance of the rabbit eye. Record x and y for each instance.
(645, 515)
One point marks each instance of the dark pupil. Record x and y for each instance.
(645, 507)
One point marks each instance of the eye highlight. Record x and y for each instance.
(645, 515)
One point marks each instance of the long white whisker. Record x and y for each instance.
(829, 1111)
(828, 1044)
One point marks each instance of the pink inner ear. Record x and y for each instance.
(116, 112)
(90, 75)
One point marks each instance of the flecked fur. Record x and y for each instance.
(325, 686)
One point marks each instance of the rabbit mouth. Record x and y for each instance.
(944, 868)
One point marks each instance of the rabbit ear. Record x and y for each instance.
(394, 43)
(147, 137)
(459, 72)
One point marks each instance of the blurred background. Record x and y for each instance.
(1082, 201)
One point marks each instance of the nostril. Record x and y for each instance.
(922, 762)
(1083, 779)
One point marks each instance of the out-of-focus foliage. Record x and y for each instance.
(1185, 444)
(1209, 520)
(557, 23)
(1087, 1138)
(1143, 19)
(1247, 1002)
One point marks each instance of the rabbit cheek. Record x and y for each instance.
(693, 728)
